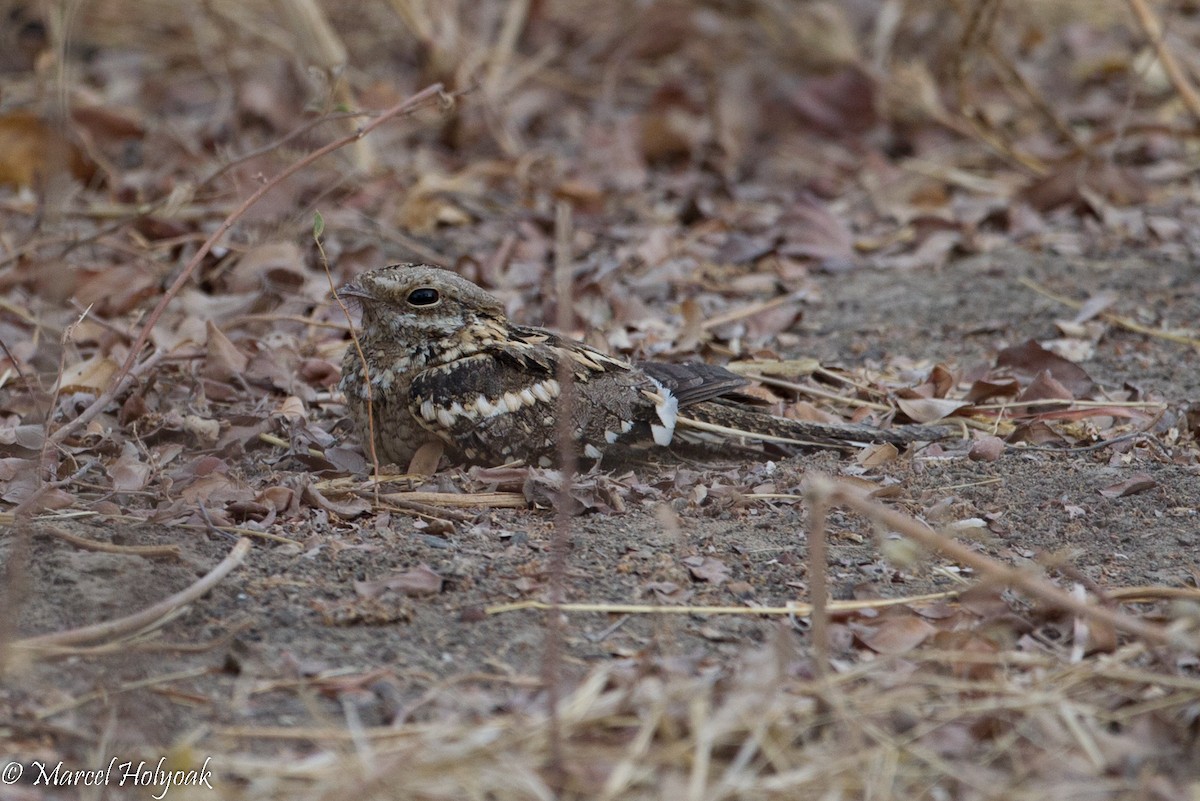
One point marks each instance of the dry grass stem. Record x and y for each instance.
(1152, 27)
(1184, 337)
(146, 617)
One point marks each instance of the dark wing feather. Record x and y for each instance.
(502, 403)
(694, 382)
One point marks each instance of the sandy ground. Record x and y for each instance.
(286, 640)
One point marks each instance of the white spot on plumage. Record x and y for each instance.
(544, 461)
(445, 418)
(427, 410)
(512, 401)
(485, 407)
(626, 426)
(610, 437)
(541, 392)
(666, 405)
(527, 397)
(591, 451)
(662, 435)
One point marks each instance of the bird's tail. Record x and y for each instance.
(725, 421)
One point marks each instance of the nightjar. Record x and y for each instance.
(444, 363)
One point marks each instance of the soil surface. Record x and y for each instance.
(287, 640)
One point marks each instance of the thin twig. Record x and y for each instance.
(405, 106)
(797, 609)
(567, 443)
(138, 620)
(102, 400)
(996, 572)
(362, 357)
(1115, 319)
(1154, 32)
(147, 551)
(818, 573)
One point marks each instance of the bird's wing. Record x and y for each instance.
(694, 382)
(502, 403)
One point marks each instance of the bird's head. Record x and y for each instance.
(407, 299)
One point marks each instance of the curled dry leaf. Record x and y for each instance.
(1029, 360)
(270, 264)
(280, 498)
(812, 231)
(292, 409)
(878, 454)
(346, 460)
(1043, 387)
(426, 459)
(926, 410)
(1037, 433)
(420, 580)
(985, 389)
(32, 151)
(91, 375)
(129, 473)
(18, 479)
(986, 449)
(30, 437)
(706, 568)
(894, 635)
(1138, 482)
(351, 507)
(223, 361)
(203, 429)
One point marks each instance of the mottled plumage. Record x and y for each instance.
(443, 363)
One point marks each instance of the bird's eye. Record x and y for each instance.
(424, 296)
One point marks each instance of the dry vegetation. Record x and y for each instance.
(181, 183)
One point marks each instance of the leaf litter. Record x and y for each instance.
(745, 186)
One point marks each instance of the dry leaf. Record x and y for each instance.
(895, 635)
(292, 409)
(878, 454)
(1138, 482)
(706, 568)
(426, 459)
(986, 449)
(129, 472)
(420, 580)
(1029, 360)
(223, 361)
(32, 151)
(91, 375)
(926, 410)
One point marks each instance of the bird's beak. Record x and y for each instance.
(352, 292)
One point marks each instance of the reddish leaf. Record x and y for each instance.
(1030, 359)
(984, 389)
(1037, 433)
(32, 151)
(1043, 387)
(986, 449)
